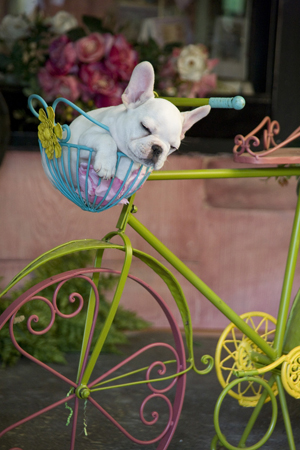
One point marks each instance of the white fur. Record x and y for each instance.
(166, 125)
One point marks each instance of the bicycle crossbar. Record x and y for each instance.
(201, 286)
(224, 173)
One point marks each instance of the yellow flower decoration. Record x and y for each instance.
(48, 133)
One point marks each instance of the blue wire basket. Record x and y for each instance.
(87, 190)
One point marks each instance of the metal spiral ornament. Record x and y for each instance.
(270, 430)
(290, 373)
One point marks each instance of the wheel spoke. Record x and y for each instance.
(230, 373)
(231, 353)
(236, 341)
(228, 358)
(249, 319)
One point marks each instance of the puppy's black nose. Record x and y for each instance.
(156, 150)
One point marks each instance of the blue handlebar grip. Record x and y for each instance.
(237, 102)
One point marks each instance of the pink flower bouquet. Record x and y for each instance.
(89, 64)
(94, 69)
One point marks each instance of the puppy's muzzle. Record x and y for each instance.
(155, 153)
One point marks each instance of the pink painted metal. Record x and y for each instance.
(178, 382)
(271, 153)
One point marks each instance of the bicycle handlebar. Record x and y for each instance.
(237, 102)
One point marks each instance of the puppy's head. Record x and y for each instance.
(154, 127)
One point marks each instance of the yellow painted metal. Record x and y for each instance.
(233, 353)
(290, 373)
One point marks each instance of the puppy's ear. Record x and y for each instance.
(140, 87)
(191, 117)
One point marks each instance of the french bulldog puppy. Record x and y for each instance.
(145, 128)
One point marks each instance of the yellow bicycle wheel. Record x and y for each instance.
(233, 353)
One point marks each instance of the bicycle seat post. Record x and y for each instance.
(124, 216)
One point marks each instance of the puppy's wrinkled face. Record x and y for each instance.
(153, 131)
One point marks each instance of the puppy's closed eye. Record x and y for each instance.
(145, 128)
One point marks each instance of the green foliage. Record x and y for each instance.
(95, 24)
(149, 51)
(21, 62)
(76, 33)
(65, 335)
(92, 25)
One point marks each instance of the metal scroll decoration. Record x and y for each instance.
(148, 376)
(267, 149)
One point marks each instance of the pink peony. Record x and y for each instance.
(91, 48)
(67, 87)
(198, 89)
(46, 81)
(86, 94)
(62, 56)
(108, 42)
(122, 58)
(102, 101)
(58, 86)
(201, 88)
(97, 79)
(169, 68)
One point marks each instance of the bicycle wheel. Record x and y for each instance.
(167, 389)
(233, 353)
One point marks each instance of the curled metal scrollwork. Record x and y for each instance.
(35, 317)
(164, 422)
(72, 298)
(162, 371)
(33, 295)
(290, 373)
(155, 414)
(270, 430)
(243, 143)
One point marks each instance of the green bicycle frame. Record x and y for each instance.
(275, 350)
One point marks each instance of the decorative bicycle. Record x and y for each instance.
(257, 357)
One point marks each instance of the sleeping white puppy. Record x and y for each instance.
(145, 128)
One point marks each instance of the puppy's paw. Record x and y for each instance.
(105, 173)
(105, 169)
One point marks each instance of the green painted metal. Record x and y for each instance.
(190, 102)
(101, 386)
(200, 285)
(122, 222)
(272, 422)
(90, 310)
(113, 309)
(224, 173)
(285, 413)
(254, 415)
(176, 292)
(57, 252)
(141, 382)
(82, 392)
(292, 334)
(289, 332)
(260, 359)
(288, 282)
(178, 295)
(214, 443)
